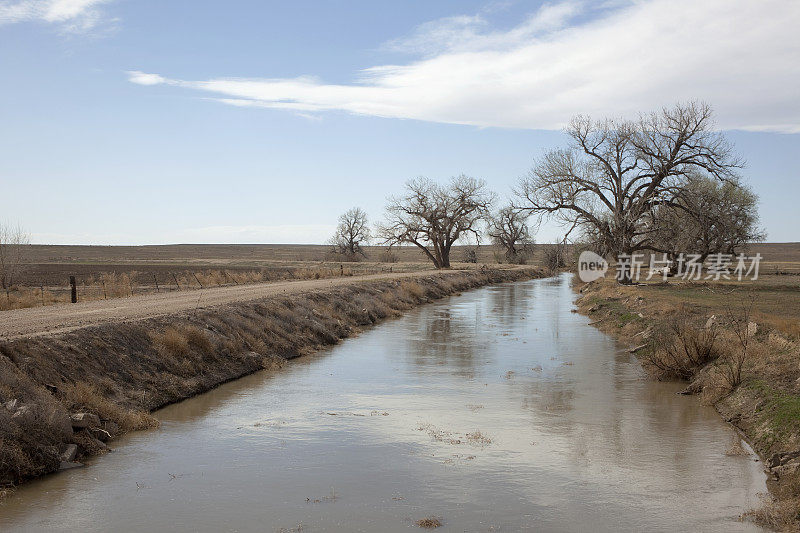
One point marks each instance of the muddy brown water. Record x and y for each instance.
(495, 410)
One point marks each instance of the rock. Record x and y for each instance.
(84, 420)
(788, 469)
(69, 453)
(752, 329)
(712, 321)
(67, 465)
(781, 458)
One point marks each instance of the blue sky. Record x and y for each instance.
(136, 122)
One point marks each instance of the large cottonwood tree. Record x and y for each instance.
(615, 172)
(706, 216)
(434, 216)
(352, 233)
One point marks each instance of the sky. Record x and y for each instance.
(152, 121)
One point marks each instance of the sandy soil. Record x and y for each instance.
(55, 319)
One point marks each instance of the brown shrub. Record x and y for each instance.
(197, 338)
(412, 288)
(171, 342)
(117, 285)
(679, 350)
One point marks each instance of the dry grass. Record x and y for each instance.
(22, 297)
(171, 342)
(413, 289)
(789, 327)
(429, 522)
(83, 397)
(777, 515)
(115, 285)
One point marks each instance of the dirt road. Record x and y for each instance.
(54, 319)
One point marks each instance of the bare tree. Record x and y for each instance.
(13, 246)
(351, 233)
(509, 229)
(433, 216)
(706, 217)
(554, 256)
(617, 171)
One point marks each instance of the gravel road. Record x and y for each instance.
(54, 319)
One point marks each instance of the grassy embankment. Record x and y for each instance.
(117, 374)
(737, 345)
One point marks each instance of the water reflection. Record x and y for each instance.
(497, 410)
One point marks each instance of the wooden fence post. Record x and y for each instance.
(176, 280)
(156, 280)
(74, 289)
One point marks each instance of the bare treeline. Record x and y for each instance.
(667, 182)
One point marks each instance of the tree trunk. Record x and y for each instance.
(445, 259)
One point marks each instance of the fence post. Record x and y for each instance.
(74, 289)
(156, 280)
(176, 280)
(41, 287)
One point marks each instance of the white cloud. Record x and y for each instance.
(739, 55)
(466, 33)
(142, 78)
(71, 15)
